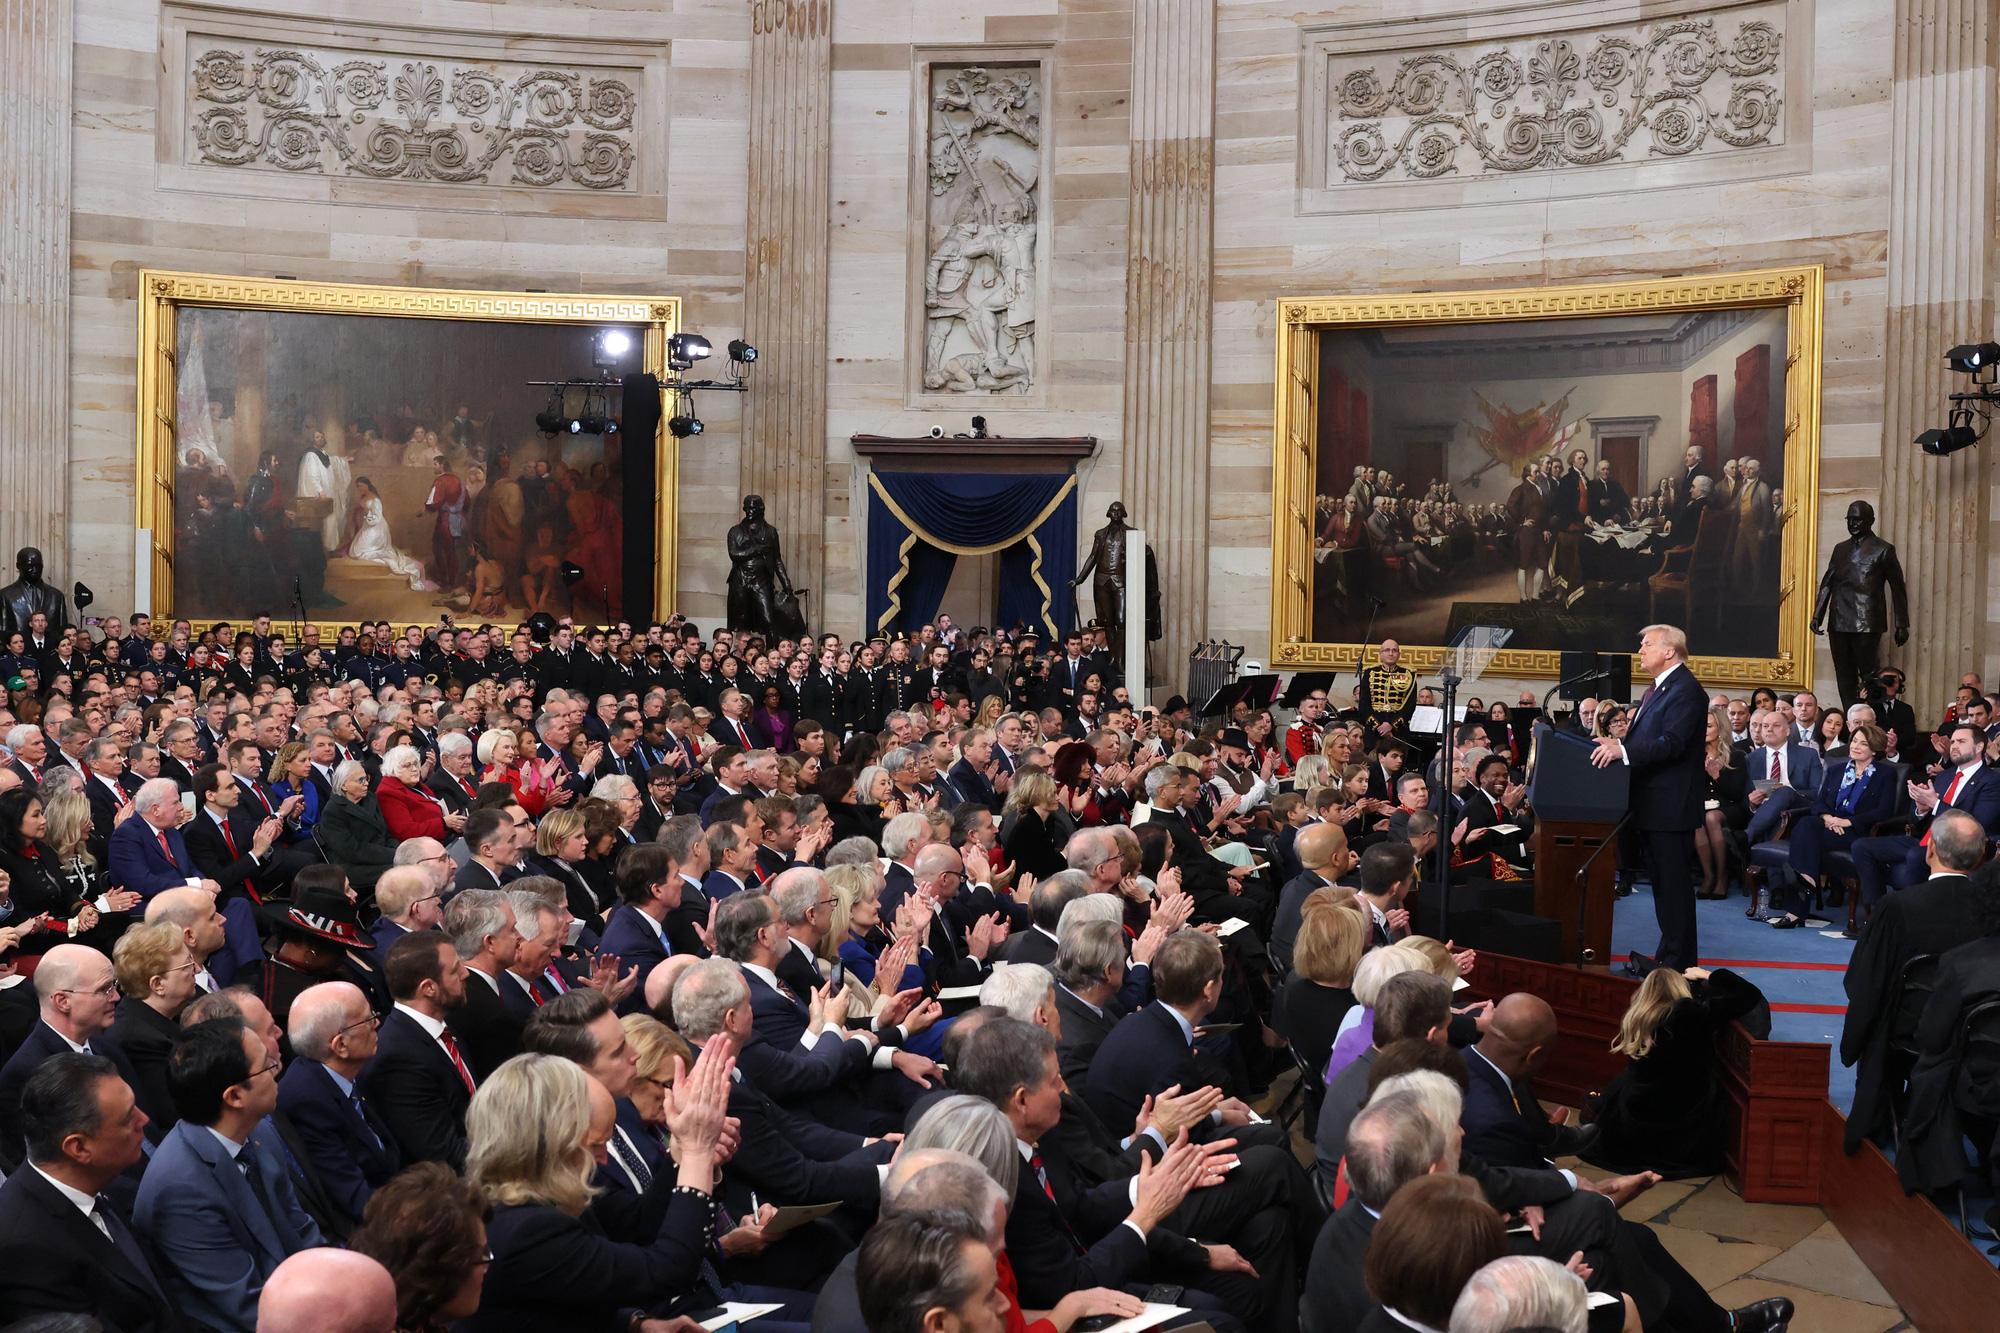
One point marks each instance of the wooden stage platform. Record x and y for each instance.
(1784, 1142)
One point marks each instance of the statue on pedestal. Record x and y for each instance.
(22, 598)
(1852, 610)
(761, 597)
(1107, 561)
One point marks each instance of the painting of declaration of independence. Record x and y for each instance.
(1570, 479)
(388, 468)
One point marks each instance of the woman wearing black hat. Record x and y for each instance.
(319, 939)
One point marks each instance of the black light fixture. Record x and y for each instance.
(572, 573)
(684, 349)
(741, 352)
(591, 423)
(82, 595)
(1959, 434)
(551, 420)
(684, 426)
(541, 626)
(1971, 358)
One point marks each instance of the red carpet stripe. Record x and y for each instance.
(1761, 962)
(1808, 1008)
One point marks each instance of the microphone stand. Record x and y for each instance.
(1367, 637)
(298, 626)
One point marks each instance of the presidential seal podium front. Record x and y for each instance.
(1577, 812)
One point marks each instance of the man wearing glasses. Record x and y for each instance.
(333, 1035)
(216, 1200)
(408, 894)
(78, 992)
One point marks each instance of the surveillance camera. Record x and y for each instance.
(937, 432)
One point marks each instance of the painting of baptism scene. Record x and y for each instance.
(1573, 480)
(389, 468)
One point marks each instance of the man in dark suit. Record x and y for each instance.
(1925, 919)
(1777, 757)
(786, 1159)
(64, 1248)
(1664, 747)
(333, 1033)
(1046, 901)
(148, 854)
(480, 924)
(1155, 1048)
(79, 1003)
(1965, 783)
(1323, 858)
(636, 932)
(1382, 1143)
(1066, 1237)
(452, 781)
(419, 1081)
(217, 1201)
(229, 843)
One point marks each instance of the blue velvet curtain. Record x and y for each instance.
(919, 523)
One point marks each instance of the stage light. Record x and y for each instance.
(1959, 435)
(741, 351)
(1971, 358)
(610, 346)
(574, 426)
(682, 427)
(684, 349)
(82, 596)
(549, 423)
(572, 573)
(590, 423)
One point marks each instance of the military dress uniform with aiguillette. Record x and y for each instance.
(1386, 694)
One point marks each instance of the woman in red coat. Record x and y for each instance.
(408, 809)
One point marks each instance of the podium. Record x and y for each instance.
(1577, 810)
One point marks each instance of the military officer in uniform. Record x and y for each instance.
(1302, 737)
(1387, 692)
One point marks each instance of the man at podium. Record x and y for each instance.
(1664, 746)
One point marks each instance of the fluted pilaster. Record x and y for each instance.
(35, 100)
(1170, 244)
(784, 292)
(1940, 279)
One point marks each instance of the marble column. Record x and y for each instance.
(1940, 293)
(1168, 323)
(35, 100)
(784, 290)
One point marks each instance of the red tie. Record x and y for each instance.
(165, 850)
(451, 1049)
(1949, 792)
(535, 994)
(227, 837)
(1035, 1163)
(741, 734)
(554, 978)
(470, 790)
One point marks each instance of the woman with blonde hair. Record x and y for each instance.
(532, 1130)
(1333, 935)
(287, 777)
(988, 716)
(501, 758)
(157, 973)
(1725, 805)
(1314, 770)
(560, 846)
(1665, 1110)
(1027, 826)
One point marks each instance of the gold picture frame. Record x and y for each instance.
(1799, 290)
(164, 294)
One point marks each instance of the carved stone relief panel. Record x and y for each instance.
(1691, 93)
(376, 114)
(983, 170)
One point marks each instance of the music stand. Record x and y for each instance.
(1465, 658)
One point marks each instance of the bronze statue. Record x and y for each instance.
(1852, 591)
(1107, 590)
(27, 595)
(761, 597)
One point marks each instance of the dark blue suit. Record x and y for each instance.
(52, 1260)
(969, 784)
(42, 1042)
(718, 885)
(220, 1236)
(1802, 774)
(632, 941)
(1898, 859)
(138, 864)
(386, 933)
(352, 1149)
(418, 1092)
(1145, 1054)
(1664, 747)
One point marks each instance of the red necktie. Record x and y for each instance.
(741, 734)
(165, 850)
(1949, 792)
(1035, 1162)
(227, 837)
(535, 994)
(470, 790)
(554, 978)
(451, 1049)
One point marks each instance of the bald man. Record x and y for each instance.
(1322, 850)
(660, 982)
(1504, 1123)
(328, 1291)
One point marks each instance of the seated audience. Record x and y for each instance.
(1309, 1009)
(418, 1081)
(427, 1226)
(157, 973)
(1521, 1291)
(327, 1290)
(77, 992)
(1435, 1233)
(334, 1035)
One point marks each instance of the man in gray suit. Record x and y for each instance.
(216, 1201)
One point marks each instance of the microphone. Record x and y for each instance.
(1378, 601)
